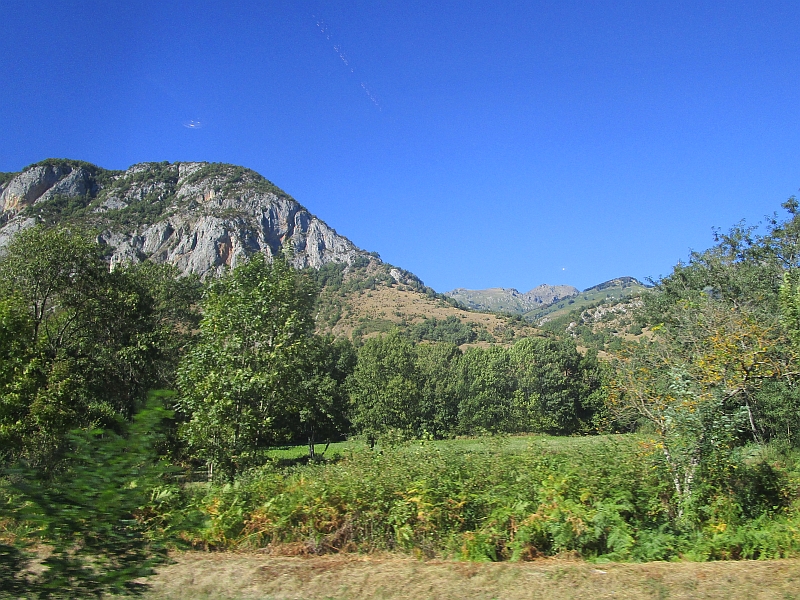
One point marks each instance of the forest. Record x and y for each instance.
(142, 413)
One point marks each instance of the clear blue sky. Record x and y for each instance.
(477, 144)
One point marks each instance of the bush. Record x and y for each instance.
(87, 516)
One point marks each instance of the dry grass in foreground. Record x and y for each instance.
(249, 576)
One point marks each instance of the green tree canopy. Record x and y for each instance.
(81, 344)
(559, 388)
(243, 378)
(384, 388)
(490, 404)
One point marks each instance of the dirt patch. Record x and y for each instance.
(249, 576)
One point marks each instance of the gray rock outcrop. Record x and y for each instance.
(200, 217)
(29, 186)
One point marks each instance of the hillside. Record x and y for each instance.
(361, 300)
(603, 325)
(203, 218)
(608, 291)
(546, 302)
(509, 300)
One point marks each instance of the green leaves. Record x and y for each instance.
(81, 344)
(244, 376)
(719, 370)
(539, 384)
(87, 515)
(384, 388)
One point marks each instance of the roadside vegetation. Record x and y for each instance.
(140, 411)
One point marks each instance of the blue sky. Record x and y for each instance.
(477, 144)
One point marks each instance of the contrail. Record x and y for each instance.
(325, 30)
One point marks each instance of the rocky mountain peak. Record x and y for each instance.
(617, 282)
(512, 300)
(200, 217)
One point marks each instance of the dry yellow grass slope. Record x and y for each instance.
(386, 306)
(241, 576)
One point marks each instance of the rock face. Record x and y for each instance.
(199, 217)
(29, 186)
(511, 300)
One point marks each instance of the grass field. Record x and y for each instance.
(512, 444)
(228, 576)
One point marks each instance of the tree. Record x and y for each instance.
(384, 388)
(324, 402)
(53, 272)
(489, 403)
(557, 386)
(451, 330)
(242, 378)
(696, 411)
(717, 368)
(82, 344)
(441, 387)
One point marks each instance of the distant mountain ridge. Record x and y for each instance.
(511, 300)
(618, 282)
(534, 303)
(204, 218)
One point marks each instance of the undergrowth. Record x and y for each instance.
(604, 501)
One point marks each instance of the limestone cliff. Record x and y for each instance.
(199, 217)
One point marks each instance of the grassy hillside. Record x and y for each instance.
(611, 291)
(602, 325)
(366, 300)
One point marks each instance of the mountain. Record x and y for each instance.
(609, 291)
(544, 301)
(512, 301)
(620, 283)
(205, 217)
(199, 217)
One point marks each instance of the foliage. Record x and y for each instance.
(719, 369)
(227, 177)
(489, 404)
(6, 177)
(323, 392)
(451, 330)
(710, 386)
(384, 388)
(441, 388)
(85, 518)
(539, 384)
(82, 344)
(493, 500)
(58, 209)
(561, 389)
(743, 267)
(243, 377)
